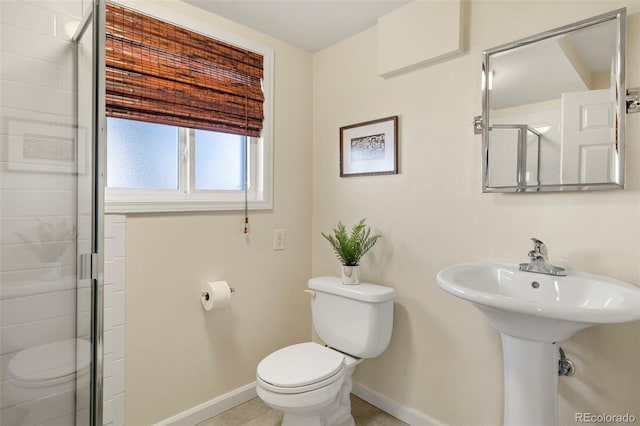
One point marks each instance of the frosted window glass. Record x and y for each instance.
(141, 155)
(219, 161)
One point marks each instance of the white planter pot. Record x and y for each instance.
(350, 275)
(51, 271)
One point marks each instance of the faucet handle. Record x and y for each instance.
(539, 249)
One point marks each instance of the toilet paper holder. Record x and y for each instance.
(206, 296)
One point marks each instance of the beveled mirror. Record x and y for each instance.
(554, 105)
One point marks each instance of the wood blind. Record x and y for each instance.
(161, 73)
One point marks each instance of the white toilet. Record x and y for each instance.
(310, 382)
(43, 381)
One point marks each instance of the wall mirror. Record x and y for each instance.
(554, 105)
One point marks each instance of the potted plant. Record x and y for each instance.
(50, 240)
(351, 247)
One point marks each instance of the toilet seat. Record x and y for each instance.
(300, 368)
(50, 364)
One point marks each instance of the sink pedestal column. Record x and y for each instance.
(530, 382)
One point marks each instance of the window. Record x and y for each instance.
(155, 167)
(176, 143)
(219, 161)
(142, 155)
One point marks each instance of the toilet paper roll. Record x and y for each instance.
(215, 295)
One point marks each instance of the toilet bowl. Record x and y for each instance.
(308, 382)
(43, 379)
(311, 383)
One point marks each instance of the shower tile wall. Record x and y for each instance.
(114, 319)
(37, 183)
(37, 195)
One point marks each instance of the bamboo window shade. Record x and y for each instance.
(161, 73)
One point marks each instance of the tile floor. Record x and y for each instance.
(256, 413)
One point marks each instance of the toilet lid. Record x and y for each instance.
(52, 361)
(300, 365)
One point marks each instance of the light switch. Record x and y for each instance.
(279, 239)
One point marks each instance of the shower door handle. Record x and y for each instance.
(87, 266)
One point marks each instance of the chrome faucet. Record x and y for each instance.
(540, 262)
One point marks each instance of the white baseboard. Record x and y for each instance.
(225, 402)
(211, 408)
(397, 410)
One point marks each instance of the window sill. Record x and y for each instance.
(181, 206)
(159, 201)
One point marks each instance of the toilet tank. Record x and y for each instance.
(355, 319)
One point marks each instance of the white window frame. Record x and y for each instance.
(260, 150)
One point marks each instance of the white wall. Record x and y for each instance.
(445, 358)
(38, 298)
(114, 325)
(178, 355)
(36, 99)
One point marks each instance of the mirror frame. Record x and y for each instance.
(620, 107)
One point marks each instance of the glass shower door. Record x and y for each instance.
(89, 218)
(49, 327)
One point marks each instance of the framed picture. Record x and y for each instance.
(46, 147)
(369, 148)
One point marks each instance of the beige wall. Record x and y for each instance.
(179, 356)
(444, 358)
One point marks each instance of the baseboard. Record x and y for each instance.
(211, 408)
(225, 402)
(401, 412)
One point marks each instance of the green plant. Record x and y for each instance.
(351, 247)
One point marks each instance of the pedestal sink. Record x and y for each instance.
(533, 312)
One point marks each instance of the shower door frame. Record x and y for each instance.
(91, 265)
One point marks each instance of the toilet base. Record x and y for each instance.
(294, 420)
(335, 413)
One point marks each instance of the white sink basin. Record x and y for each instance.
(552, 310)
(533, 312)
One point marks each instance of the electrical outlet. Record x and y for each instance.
(279, 239)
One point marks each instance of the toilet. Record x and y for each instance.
(43, 381)
(310, 382)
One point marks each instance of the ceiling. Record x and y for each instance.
(309, 24)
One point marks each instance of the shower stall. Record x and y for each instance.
(51, 212)
(515, 156)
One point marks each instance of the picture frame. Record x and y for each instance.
(36, 146)
(369, 148)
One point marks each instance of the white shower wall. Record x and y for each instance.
(36, 107)
(114, 319)
(37, 281)
(38, 300)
